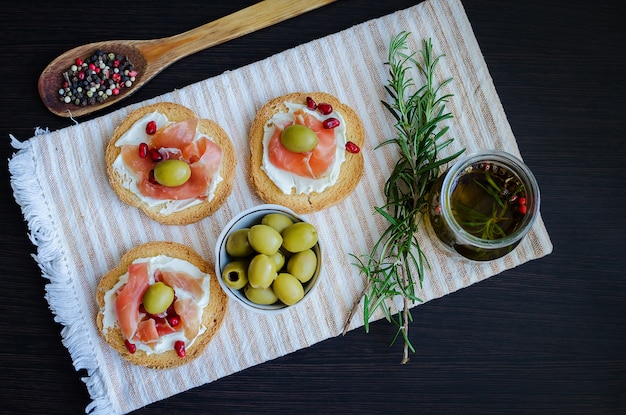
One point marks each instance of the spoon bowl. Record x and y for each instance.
(150, 57)
(51, 78)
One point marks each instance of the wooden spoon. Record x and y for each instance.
(150, 57)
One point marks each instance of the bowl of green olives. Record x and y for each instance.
(268, 259)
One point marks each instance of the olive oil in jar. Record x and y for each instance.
(488, 201)
(484, 205)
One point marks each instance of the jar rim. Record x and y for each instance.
(519, 168)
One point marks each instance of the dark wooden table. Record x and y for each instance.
(547, 337)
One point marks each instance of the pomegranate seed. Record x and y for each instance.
(310, 103)
(151, 177)
(179, 346)
(130, 347)
(330, 123)
(116, 77)
(352, 148)
(132, 73)
(151, 128)
(143, 150)
(325, 108)
(155, 155)
(92, 67)
(116, 63)
(78, 61)
(81, 75)
(522, 209)
(522, 201)
(173, 320)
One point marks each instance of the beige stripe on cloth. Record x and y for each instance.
(81, 229)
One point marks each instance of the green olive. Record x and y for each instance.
(172, 173)
(237, 243)
(263, 296)
(278, 221)
(235, 274)
(157, 298)
(298, 138)
(279, 260)
(302, 265)
(288, 289)
(299, 237)
(264, 239)
(261, 271)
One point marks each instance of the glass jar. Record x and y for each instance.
(484, 205)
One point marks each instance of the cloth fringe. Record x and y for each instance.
(52, 262)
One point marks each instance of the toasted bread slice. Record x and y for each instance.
(175, 112)
(212, 315)
(351, 169)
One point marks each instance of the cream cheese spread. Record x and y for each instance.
(287, 181)
(162, 263)
(136, 135)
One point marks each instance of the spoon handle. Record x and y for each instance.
(165, 51)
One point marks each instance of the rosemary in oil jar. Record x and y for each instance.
(396, 263)
(484, 205)
(486, 201)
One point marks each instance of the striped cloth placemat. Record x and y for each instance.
(81, 229)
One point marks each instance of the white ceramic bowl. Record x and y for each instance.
(246, 219)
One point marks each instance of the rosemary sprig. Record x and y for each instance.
(483, 225)
(396, 263)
